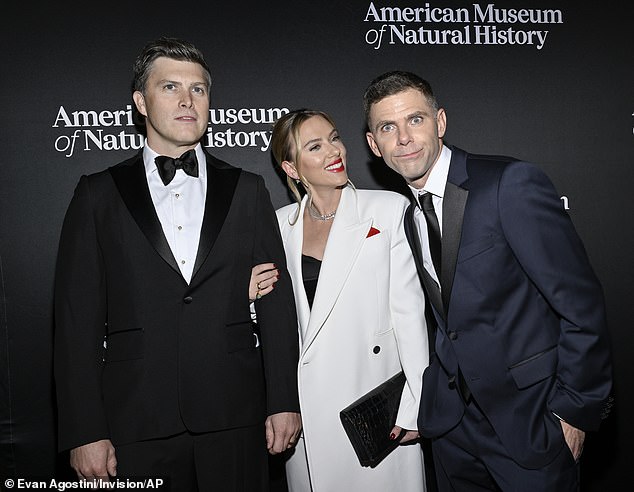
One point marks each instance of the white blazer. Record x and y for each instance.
(367, 322)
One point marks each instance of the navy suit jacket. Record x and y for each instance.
(142, 354)
(521, 312)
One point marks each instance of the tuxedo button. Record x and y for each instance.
(188, 300)
(452, 382)
(452, 335)
(376, 349)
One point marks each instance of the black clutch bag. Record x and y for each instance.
(370, 419)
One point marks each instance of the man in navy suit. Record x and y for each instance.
(158, 370)
(520, 368)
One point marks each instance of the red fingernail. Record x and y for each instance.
(392, 436)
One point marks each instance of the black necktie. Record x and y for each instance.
(433, 230)
(167, 166)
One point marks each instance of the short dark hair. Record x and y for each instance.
(391, 83)
(173, 48)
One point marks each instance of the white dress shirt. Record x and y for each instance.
(436, 186)
(180, 206)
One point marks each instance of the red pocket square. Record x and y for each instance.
(372, 232)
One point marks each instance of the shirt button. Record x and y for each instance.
(376, 349)
(177, 195)
(182, 262)
(180, 228)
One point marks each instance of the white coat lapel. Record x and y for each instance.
(344, 243)
(293, 236)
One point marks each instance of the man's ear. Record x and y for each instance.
(441, 122)
(139, 102)
(372, 143)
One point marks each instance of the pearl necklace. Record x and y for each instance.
(316, 215)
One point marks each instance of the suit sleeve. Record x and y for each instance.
(407, 311)
(547, 246)
(276, 313)
(80, 317)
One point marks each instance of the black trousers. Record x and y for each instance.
(233, 460)
(471, 458)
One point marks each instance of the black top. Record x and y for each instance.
(310, 274)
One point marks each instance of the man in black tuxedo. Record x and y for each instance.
(157, 366)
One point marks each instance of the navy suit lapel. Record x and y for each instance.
(130, 180)
(222, 180)
(454, 202)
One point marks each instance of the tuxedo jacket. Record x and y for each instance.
(139, 352)
(521, 313)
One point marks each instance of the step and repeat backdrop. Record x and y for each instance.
(547, 81)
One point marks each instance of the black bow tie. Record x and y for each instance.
(167, 166)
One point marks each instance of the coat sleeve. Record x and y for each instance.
(407, 311)
(80, 325)
(276, 313)
(545, 243)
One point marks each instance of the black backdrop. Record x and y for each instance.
(566, 105)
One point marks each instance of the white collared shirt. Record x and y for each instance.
(180, 206)
(435, 185)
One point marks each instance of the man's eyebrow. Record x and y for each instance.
(381, 123)
(419, 112)
(168, 81)
(175, 82)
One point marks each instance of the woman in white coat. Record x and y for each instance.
(360, 309)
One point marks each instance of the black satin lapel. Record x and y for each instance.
(428, 283)
(221, 185)
(133, 188)
(454, 202)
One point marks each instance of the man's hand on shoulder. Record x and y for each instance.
(94, 460)
(282, 431)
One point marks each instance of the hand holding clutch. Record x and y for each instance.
(369, 420)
